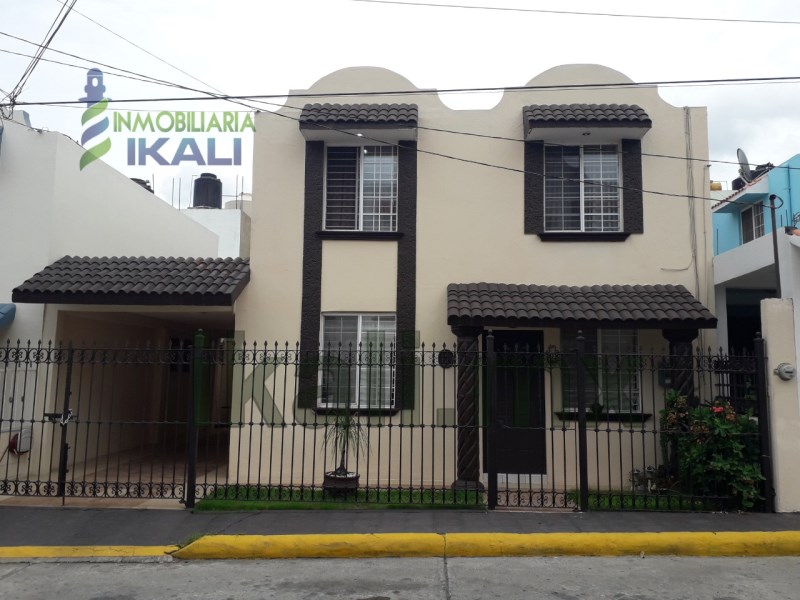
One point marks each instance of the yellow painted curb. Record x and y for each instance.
(85, 551)
(781, 543)
(315, 546)
(728, 543)
(681, 543)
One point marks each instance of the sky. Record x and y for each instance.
(248, 47)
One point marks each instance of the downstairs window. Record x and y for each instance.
(358, 361)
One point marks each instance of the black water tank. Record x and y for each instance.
(207, 192)
(142, 182)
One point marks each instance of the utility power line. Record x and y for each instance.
(137, 46)
(63, 13)
(133, 75)
(362, 136)
(114, 70)
(522, 141)
(428, 92)
(239, 100)
(584, 14)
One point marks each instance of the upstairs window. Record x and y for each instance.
(752, 223)
(581, 189)
(361, 188)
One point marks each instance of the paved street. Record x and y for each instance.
(48, 526)
(657, 578)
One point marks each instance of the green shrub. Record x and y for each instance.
(711, 450)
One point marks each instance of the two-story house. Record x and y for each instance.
(385, 218)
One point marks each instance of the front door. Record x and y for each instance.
(519, 404)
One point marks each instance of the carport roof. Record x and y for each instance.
(162, 281)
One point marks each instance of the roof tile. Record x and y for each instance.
(564, 115)
(359, 114)
(137, 280)
(655, 305)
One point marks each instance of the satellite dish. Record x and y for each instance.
(744, 166)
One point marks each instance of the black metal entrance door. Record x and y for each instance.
(520, 444)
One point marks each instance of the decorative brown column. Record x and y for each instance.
(468, 470)
(682, 361)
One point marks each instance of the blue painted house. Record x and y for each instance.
(744, 254)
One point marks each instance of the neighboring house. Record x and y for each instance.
(49, 209)
(395, 221)
(754, 295)
(75, 272)
(744, 252)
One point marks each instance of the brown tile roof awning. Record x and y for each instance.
(137, 281)
(595, 115)
(569, 123)
(392, 116)
(598, 306)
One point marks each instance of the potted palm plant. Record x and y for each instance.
(343, 435)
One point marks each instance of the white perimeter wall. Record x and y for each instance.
(49, 208)
(232, 225)
(778, 322)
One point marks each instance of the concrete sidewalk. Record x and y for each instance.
(124, 528)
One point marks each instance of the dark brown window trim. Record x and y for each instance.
(406, 302)
(583, 236)
(359, 235)
(405, 381)
(632, 200)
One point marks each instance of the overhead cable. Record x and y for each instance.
(585, 13)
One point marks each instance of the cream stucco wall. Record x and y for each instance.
(369, 285)
(50, 208)
(470, 217)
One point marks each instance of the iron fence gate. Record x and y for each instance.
(504, 423)
(589, 430)
(94, 422)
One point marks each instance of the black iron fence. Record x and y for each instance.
(492, 424)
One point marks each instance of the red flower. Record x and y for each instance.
(717, 409)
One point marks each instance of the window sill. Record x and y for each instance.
(363, 412)
(360, 235)
(606, 417)
(583, 236)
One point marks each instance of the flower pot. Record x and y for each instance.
(340, 484)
